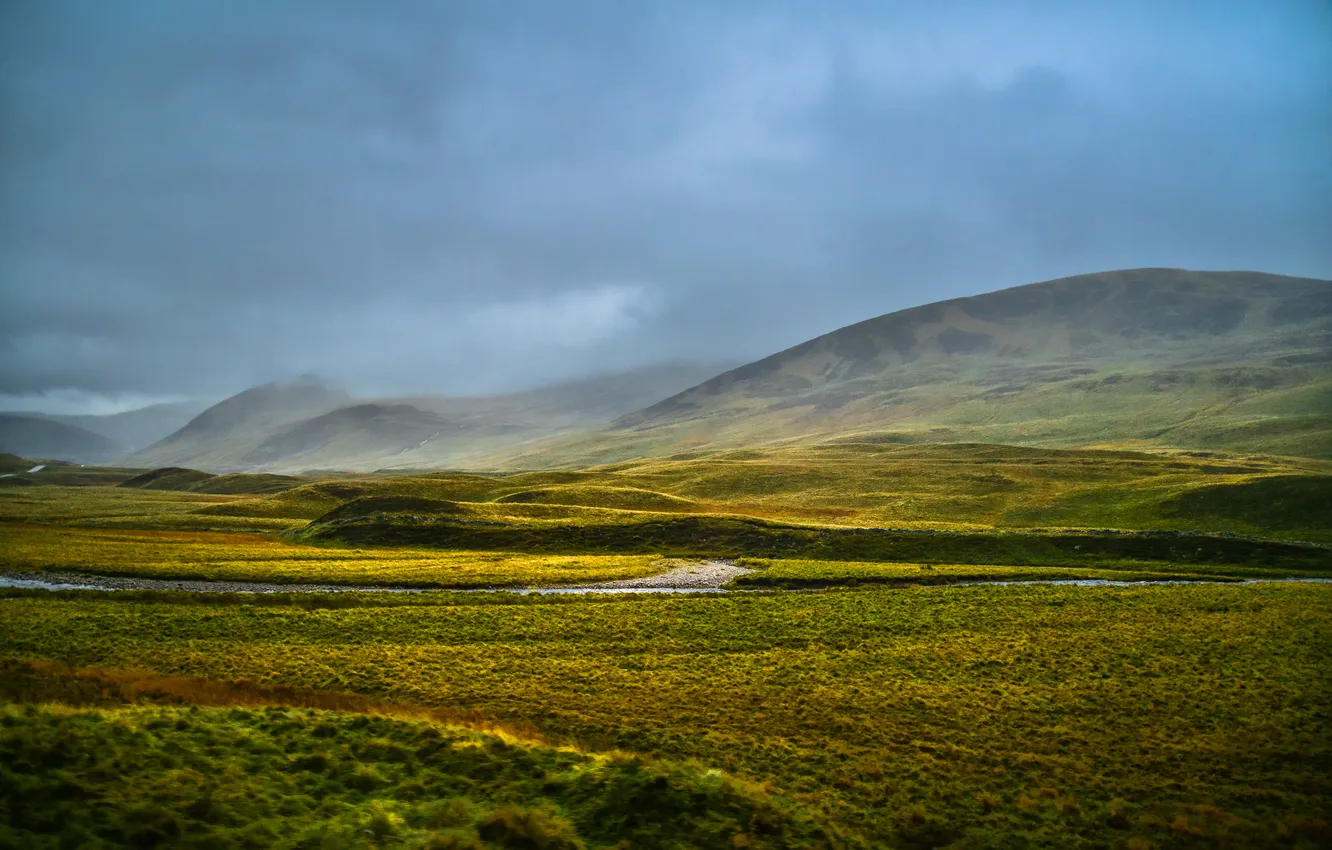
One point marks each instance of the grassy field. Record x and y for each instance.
(250, 557)
(882, 710)
(802, 574)
(813, 516)
(968, 717)
(864, 483)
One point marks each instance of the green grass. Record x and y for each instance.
(1242, 407)
(886, 485)
(713, 536)
(249, 557)
(194, 481)
(798, 574)
(277, 777)
(895, 714)
(969, 717)
(994, 506)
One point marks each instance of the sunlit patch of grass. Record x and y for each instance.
(248, 557)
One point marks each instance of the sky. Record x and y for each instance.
(475, 197)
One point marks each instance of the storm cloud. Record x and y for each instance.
(474, 197)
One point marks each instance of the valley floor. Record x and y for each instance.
(897, 700)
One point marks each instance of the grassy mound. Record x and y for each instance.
(305, 502)
(589, 496)
(278, 777)
(168, 478)
(382, 508)
(13, 463)
(195, 481)
(1279, 502)
(247, 484)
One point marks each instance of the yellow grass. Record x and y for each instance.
(252, 557)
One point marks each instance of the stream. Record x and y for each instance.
(653, 584)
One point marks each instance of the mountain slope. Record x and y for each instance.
(355, 436)
(1238, 360)
(38, 437)
(228, 429)
(303, 426)
(136, 429)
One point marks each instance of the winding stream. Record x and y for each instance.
(665, 583)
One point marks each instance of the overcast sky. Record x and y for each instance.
(467, 197)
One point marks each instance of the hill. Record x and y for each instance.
(38, 437)
(237, 424)
(136, 429)
(304, 426)
(349, 436)
(1145, 357)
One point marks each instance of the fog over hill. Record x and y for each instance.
(39, 437)
(473, 199)
(305, 425)
(1141, 357)
(138, 428)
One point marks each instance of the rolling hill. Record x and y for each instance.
(303, 426)
(38, 437)
(350, 437)
(1145, 357)
(136, 429)
(235, 425)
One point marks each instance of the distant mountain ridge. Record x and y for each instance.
(304, 425)
(38, 437)
(237, 423)
(1235, 360)
(139, 428)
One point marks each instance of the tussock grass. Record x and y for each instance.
(279, 777)
(986, 717)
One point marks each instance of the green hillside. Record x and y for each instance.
(939, 488)
(1150, 357)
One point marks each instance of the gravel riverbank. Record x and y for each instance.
(708, 575)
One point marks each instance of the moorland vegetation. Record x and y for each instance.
(972, 717)
(860, 686)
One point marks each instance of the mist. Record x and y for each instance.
(477, 198)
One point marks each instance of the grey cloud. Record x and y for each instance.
(468, 197)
